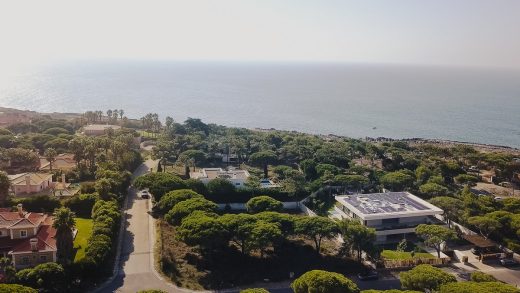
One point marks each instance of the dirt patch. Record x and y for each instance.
(228, 268)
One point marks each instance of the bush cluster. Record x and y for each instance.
(82, 204)
(218, 190)
(106, 217)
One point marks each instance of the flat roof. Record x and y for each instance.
(100, 126)
(213, 173)
(385, 205)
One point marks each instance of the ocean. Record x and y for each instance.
(355, 100)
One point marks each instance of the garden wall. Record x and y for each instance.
(237, 206)
(408, 263)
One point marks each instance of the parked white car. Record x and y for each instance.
(144, 194)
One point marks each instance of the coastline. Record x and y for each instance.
(330, 136)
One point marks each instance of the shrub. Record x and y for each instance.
(477, 287)
(318, 281)
(49, 277)
(39, 204)
(263, 204)
(478, 276)
(10, 288)
(82, 204)
(196, 185)
(87, 187)
(221, 188)
(106, 218)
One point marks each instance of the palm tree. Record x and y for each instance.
(64, 223)
(115, 114)
(6, 266)
(50, 155)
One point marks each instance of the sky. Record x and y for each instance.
(432, 32)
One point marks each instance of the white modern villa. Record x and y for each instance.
(394, 214)
(237, 177)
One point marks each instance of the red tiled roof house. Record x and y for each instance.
(28, 238)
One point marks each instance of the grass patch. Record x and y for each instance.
(84, 227)
(404, 255)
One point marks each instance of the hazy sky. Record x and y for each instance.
(456, 32)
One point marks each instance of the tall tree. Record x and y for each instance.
(451, 207)
(316, 228)
(121, 113)
(265, 234)
(64, 223)
(356, 236)
(485, 225)
(4, 188)
(263, 159)
(50, 155)
(239, 228)
(434, 235)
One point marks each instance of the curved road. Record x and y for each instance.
(136, 262)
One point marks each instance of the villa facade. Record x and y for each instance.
(393, 215)
(237, 177)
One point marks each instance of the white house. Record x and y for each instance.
(236, 176)
(98, 129)
(30, 183)
(393, 215)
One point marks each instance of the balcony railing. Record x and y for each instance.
(431, 221)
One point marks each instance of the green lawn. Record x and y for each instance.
(392, 254)
(84, 227)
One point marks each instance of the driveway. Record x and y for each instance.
(136, 263)
(509, 275)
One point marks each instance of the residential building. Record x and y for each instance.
(30, 183)
(98, 129)
(27, 238)
(64, 189)
(236, 176)
(227, 158)
(393, 215)
(63, 162)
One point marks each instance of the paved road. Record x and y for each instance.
(136, 270)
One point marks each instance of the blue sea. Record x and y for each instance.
(355, 100)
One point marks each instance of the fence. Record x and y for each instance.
(407, 263)
(238, 206)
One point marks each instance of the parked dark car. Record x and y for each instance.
(369, 275)
(508, 262)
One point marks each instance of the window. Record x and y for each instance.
(392, 221)
(43, 258)
(237, 184)
(25, 260)
(23, 233)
